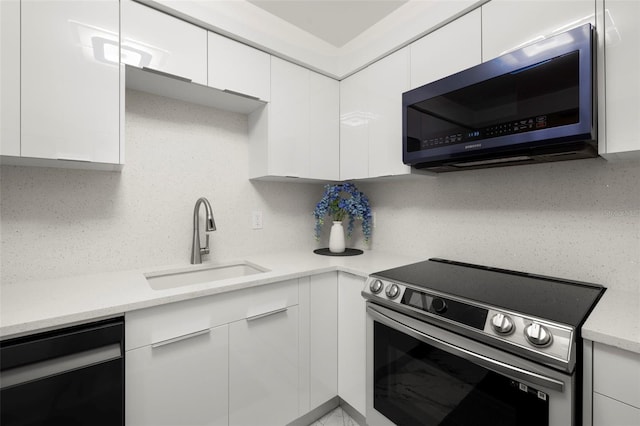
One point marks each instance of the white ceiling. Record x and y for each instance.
(334, 21)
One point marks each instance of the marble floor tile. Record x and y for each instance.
(336, 417)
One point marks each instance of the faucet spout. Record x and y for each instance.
(210, 225)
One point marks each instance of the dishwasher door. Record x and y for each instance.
(73, 376)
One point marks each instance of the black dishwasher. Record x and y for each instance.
(73, 376)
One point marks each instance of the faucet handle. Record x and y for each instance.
(205, 249)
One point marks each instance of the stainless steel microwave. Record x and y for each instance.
(535, 104)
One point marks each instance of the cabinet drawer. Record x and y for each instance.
(616, 373)
(182, 319)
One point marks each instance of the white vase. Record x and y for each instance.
(336, 238)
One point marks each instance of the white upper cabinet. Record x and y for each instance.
(322, 156)
(296, 134)
(371, 119)
(238, 68)
(10, 77)
(70, 80)
(389, 80)
(155, 40)
(619, 123)
(509, 24)
(448, 50)
(354, 127)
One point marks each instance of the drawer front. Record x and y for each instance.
(179, 320)
(616, 373)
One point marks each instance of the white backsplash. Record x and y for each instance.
(58, 222)
(579, 219)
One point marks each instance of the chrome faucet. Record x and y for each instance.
(196, 250)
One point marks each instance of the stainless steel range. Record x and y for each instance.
(451, 343)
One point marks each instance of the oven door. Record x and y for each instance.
(420, 374)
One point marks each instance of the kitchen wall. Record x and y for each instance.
(58, 222)
(576, 219)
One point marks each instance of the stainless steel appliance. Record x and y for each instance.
(73, 376)
(450, 343)
(535, 104)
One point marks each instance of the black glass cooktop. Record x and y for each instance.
(554, 299)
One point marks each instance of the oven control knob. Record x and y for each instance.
(393, 291)
(502, 324)
(538, 335)
(375, 286)
(439, 305)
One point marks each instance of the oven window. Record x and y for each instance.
(417, 384)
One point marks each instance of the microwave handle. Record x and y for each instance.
(488, 363)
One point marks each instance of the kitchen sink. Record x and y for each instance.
(163, 280)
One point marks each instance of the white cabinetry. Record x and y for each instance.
(370, 119)
(323, 332)
(238, 68)
(225, 359)
(70, 81)
(452, 48)
(183, 380)
(619, 126)
(352, 341)
(152, 39)
(263, 368)
(616, 386)
(10, 77)
(509, 24)
(296, 134)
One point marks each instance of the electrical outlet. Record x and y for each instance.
(256, 220)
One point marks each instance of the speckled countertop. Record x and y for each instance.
(40, 305)
(32, 306)
(616, 320)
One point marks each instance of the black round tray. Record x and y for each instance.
(347, 252)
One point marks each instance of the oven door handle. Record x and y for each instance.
(488, 363)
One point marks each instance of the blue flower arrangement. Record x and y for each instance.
(340, 201)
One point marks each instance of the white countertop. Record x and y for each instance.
(40, 305)
(32, 306)
(616, 320)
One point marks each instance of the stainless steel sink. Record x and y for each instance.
(163, 280)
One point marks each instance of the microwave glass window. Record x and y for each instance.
(539, 96)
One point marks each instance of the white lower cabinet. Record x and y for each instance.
(263, 369)
(352, 341)
(228, 359)
(616, 386)
(181, 381)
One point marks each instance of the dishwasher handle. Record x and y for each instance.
(56, 366)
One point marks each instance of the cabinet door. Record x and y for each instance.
(183, 381)
(288, 119)
(509, 24)
(354, 126)
(161, 42)
(388, 79)
(323, 142)
(238, 68)
(448, 50)
(10, 77)
(323, 331)
(352, 341)
(263, 369)
(70, 88)
(622, 61)
(610, 412)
